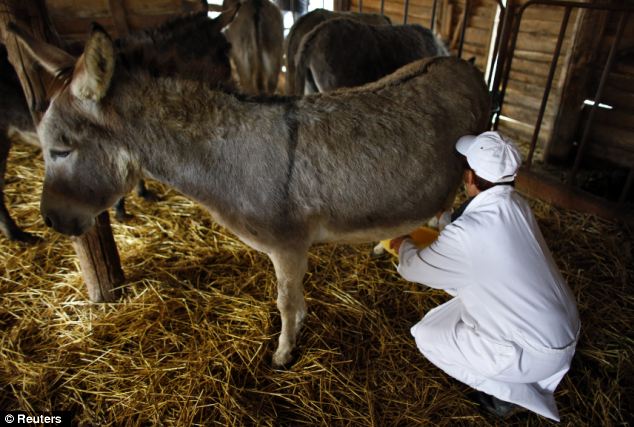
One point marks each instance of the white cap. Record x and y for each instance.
(491, 156)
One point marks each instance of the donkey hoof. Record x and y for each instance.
(378, 251)
(25, 237)
(150, 196)
(123, 216)
(283, 360)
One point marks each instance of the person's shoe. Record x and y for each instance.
(495, 406)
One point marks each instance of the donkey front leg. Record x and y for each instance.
(290, 268)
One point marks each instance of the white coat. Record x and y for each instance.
(512, 326)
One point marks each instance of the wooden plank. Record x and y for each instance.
(152, 7)
(479, 52)
(543, 13)
(564, 196)
(99, 261)
(481, 22)
(542, 27)
(138, 22)
(617, 98)
(616, 118)
(531, 55)
(621, 138)
(613, 154)
(79, 8)
(478, 36)
(119, 17)
(540, 43)
(75, 27)
(621, 80)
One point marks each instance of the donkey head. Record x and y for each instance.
(87, 164)
(84, 172)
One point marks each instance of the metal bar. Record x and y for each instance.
(498, 41)
(549, 83)
(627, 187)
(464, 27)
(610, 7)
(433, 16)
(405, 11)
(508, 63)
(382, 7)
(597, 98)
(360, 6)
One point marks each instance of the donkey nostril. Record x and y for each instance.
(48, 222)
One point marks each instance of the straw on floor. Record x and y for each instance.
(190, 342)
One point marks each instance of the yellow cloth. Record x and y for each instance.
(422, 237)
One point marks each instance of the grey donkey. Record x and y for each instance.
(282, 173)
(191, 45)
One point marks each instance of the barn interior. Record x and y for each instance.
(189, 340)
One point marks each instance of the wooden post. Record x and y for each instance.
(119, 17)
(587, 39)
(96, 249)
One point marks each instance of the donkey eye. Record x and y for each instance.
(59, 154)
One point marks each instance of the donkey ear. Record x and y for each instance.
(95, 67)
(54, 60)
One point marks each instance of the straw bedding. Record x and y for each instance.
(190, 342)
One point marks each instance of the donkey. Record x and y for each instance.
(347, 53)
(256, 36)
(309, 21)
(282, 173)
(191, 46)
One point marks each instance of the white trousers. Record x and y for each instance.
(512, 371)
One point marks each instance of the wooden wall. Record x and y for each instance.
(536, 44)
(612, 131)
(72, 18)
(449, 16)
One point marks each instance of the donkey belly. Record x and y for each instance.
(372, 234)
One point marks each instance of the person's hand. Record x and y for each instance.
(395, 244)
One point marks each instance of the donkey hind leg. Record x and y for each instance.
(7, 226)
(290, 268)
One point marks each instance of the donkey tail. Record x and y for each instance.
(257, 74)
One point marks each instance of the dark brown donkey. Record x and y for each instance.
(281, 173)
(191, 46)
(305, 25)
(348, 53)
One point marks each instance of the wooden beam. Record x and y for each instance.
(558, 194)
(117, 9)
(97, 253)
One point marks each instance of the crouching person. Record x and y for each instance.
(511, 329)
